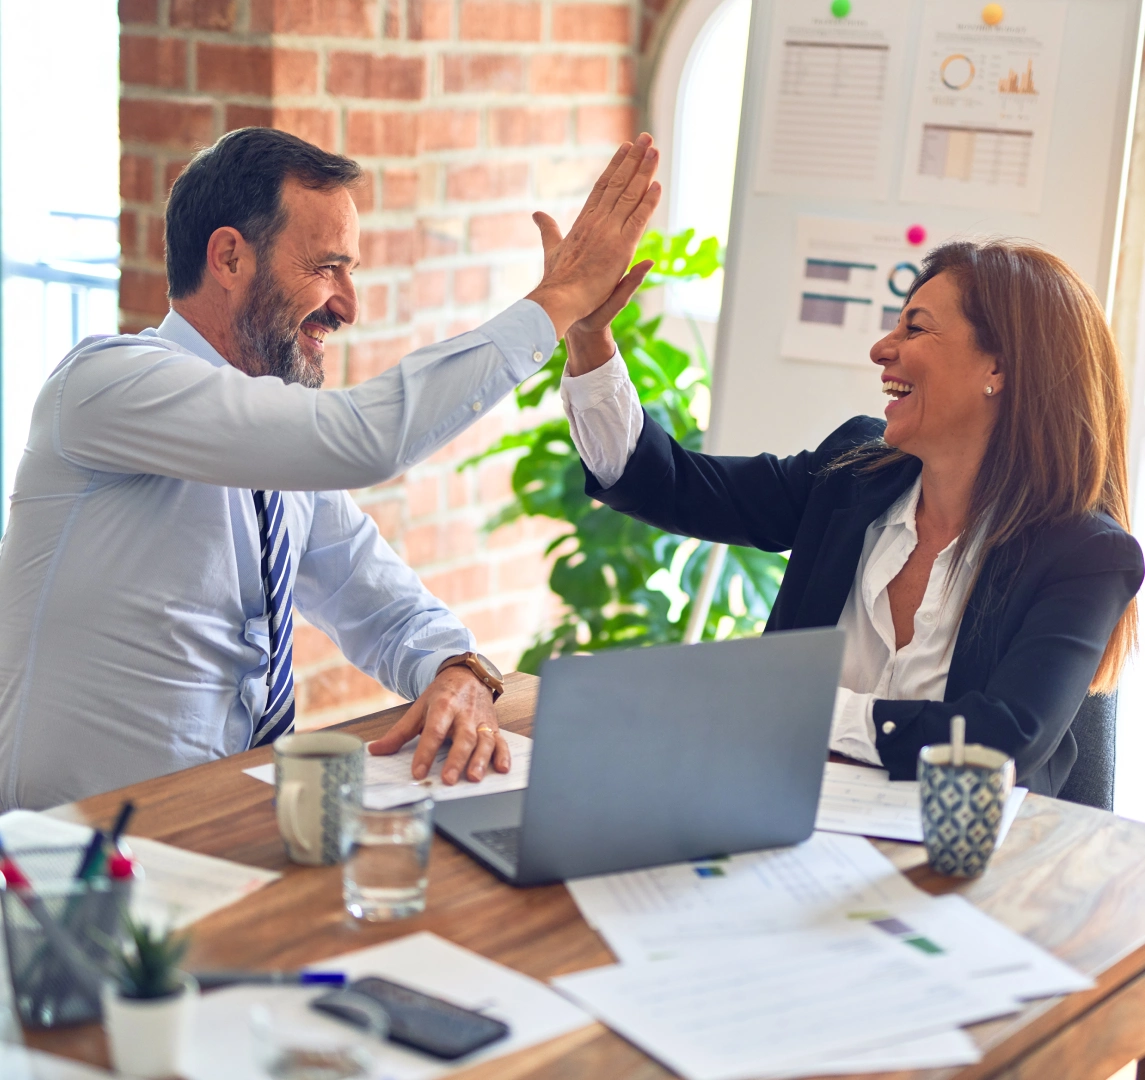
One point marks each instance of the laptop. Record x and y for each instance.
(658, 755)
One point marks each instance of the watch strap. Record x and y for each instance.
(474, 662)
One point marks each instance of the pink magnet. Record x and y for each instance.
(916, 234)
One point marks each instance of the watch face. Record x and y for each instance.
(490, 667)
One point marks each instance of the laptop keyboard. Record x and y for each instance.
(505, 842)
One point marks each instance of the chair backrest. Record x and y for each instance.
(1090, 782)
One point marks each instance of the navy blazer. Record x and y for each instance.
(1026, 650)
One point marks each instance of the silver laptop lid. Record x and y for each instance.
(655, 755)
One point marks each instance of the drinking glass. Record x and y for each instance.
(385, 851)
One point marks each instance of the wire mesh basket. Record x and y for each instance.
(57, 936)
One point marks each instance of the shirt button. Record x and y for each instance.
(928, 616)
(477, 406)
(888, 727)
(538, 357)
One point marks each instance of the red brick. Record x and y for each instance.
(523, 572)
(605, 123)
(335, 686)
(429, 20)
(438, 237)
(500, 20)
(626, 76)
(501, 621)
(370, 358)
(143, 292)
(318, 126)
(403, 308)
(471, 183)
(423, 496)
(471, 284)
(136, 178)
(171, 172)
(253, 69)
(562, 74)
(203, 14)
(128, 232)
(447, 129)
(592, 22)
(399, 189)
(427, 544)
(363, 193)
(491, 232)
(429, 289)
(156, 248)
(528, 127)
(388, 516)
(391, 19)
(457, 484)
(483, 73)
(363, 75)
(387, 247)
(139, 11)
(494, 481)
(325, 18)
(460, 586)
(165, 123)
(372, 134)
(153, 61)
(311, 645)
(375, 301)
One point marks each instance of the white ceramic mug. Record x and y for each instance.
(309, 771)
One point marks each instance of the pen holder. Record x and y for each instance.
(57, 936)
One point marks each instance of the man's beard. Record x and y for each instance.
(267, 339)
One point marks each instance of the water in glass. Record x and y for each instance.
(384, 872)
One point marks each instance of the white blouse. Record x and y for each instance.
(606, 420)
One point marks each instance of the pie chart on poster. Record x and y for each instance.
(957, 71)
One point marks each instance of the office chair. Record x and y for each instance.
(1090, 782)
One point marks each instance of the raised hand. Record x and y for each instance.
(584, 268)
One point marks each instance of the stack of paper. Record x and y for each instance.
(819, 958)
(389, 778)
(866, 802)
(224, 1046)
(178, 887)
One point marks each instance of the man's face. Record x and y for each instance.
(301, 290)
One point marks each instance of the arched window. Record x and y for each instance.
(695, 107)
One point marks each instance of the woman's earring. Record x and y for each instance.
(989, 390)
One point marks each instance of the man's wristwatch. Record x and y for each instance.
(482, 667)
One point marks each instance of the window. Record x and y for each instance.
(59, 194)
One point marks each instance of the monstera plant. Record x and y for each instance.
(625, 583)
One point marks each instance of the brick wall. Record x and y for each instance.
(467, 115)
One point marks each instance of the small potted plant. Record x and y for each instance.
(149, 1003)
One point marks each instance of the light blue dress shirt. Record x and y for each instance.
(133, 625)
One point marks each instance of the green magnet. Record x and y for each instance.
(840, 8)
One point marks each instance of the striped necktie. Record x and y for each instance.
(278, 716)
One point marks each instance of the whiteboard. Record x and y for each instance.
(766, 400)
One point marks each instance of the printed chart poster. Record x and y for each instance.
(830, 100)
(983, 105)
(850, 279)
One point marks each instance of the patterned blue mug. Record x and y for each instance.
(962, 806)
(310, 769)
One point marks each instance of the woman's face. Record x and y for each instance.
(936, 376)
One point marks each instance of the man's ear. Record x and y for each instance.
(230, 259)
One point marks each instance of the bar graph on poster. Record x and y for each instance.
(982, 106)
(849, 280)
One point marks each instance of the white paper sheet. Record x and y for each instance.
(848, 282)
(178, 888)
(832, 94)
(223, 1047)
(780, 1003)
(389, 781)
(866, 802)
(982, 105)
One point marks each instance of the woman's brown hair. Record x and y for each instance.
(1059, 447)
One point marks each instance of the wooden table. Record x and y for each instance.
(1068, 877)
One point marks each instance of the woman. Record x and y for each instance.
(973, 547)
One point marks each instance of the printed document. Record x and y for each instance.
(864, 801)
(390, 783)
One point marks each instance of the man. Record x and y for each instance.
(182, 489)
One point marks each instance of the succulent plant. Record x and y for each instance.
(146, 964)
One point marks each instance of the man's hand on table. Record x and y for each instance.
(458, 706)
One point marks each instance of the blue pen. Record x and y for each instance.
(209, 980)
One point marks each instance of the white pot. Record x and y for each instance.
(148, 1038)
